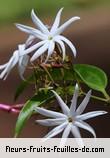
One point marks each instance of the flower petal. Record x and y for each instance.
(3, 66)
(67, 131)
(50, 50)
(33, 48)
(84, 103)
(4, 73)
(12, 62)
(39, 23)
(39, 52)
(23, 60)
(76, 133)
(85, 126)
(90, 115)
(50, 113)
(69, 43)
(51, 122)
(31, 31)
(66, 24)
(65, 135)
(62, 47)
(74, 100)
(29, 40)
(56, 22)
(55, 131)
(7, 69)
(21, 49)
(63, 106)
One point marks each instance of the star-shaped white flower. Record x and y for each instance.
(71, 119)
(48, 37)
(17, 58)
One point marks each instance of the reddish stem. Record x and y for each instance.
(14, 108)
(52, 65)
(57, 65)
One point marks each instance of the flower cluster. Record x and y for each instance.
(42, 42)
(48, 39)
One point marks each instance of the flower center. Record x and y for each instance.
(70, 119)
(50, 38)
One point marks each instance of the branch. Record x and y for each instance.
(11, 109)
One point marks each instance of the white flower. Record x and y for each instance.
(48, 37)
(70, 119)
(16, 58)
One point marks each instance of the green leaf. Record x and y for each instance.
(22, 86)
(69, 74)
(92, 76)
(29, 107)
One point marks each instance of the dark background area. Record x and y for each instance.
(90, 35)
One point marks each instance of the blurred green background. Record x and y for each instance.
(10, 10)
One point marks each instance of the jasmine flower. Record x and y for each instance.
(48, 37)
(71, 119)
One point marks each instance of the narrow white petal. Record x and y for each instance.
(90, 115)
(3, 66)
(15, 58)
(66, 24)
(56, 22)
(21, 49)
(69, 43)
(7, 69)
(31, 31)
(65, 135)
(63, 106)
(39, 23)
(50, 50)
(23, 62)
(12, 62)
(51, 122)
(50, 113)
(76, 133)
(84, 103)
(67, 131)
(29, 40)
(39, 52)
(74, 100)
(85, 126)
(3, 73)
(25, 28)
(33, 48)
(62, 47)
(55, 131)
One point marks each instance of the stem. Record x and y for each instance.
(8, 108)
(95, 97)
(57, 65)
(106, 95)
(35, 75)
(46, 70)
